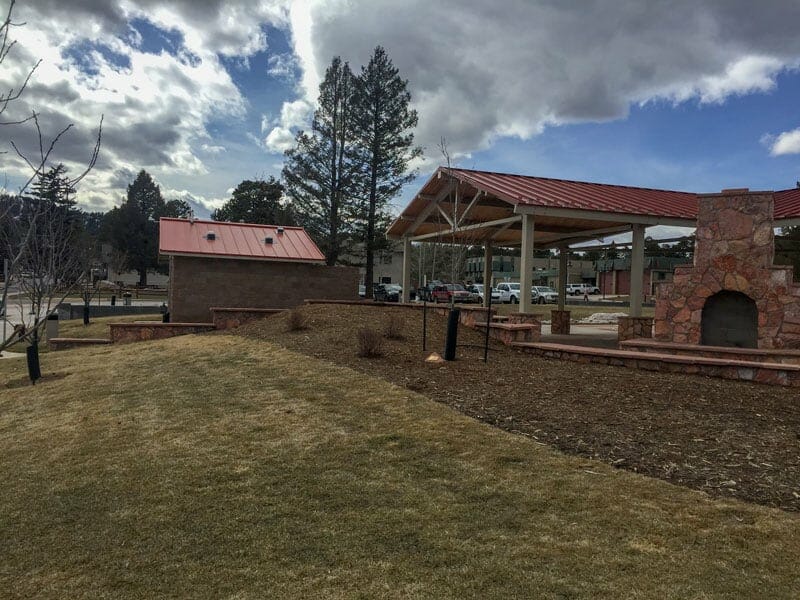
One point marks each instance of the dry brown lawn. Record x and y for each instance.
(225, 467)
(726, 438)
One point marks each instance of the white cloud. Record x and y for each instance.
(294, 115)
(282, 66)
(279, 140)
(212, 149)
(156, 106)
(787, 142)
(477, 73)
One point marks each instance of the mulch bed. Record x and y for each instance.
(726, 438)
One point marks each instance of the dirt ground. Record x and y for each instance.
(726, 438)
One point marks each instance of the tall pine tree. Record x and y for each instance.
(132, 228)
(383, 128)
(323, 173)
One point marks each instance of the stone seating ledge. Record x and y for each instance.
(761, 372)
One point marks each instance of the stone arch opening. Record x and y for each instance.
(729, 319)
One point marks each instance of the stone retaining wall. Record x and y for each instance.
(228, 318)
(629, 328)
(559, 322)
(125, 333)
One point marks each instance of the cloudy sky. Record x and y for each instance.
(694, 95)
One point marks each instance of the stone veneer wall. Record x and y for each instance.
(734, 251)
(197, 284)
(559, 322)
(629, 328)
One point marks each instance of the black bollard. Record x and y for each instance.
(452, 334)
(113, 300)
(32, 354)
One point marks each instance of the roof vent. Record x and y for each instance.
(211, 236)
(280, 229)
(268, 240)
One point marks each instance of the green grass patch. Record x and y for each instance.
(238, 469)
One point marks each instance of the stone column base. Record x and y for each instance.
(559, 322)
(629, 328)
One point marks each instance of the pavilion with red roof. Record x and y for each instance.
(462, 206)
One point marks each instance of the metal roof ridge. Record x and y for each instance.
(617, 185)
(213, 222)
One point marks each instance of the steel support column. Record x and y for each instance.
(563, 275)
(487, 272)
(406, 269)
(526, 265)
(637, 270)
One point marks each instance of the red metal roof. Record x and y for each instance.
(787, 203)
(236, 240)
(578, 195)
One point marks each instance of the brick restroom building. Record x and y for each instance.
(242, 265)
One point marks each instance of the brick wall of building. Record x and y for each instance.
(197, 284)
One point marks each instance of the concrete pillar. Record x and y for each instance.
(637, 270)
(563, 254)
(526, 265)
(406, 269)
(487, 272)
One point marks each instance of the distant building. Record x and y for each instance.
(614, 275)
(506, 268)
(387, 266)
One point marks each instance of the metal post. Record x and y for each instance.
(563, 254)
(424, 325)
(406, 270)
(487, 273)
(488, 322)
(637, 271)
(526, 265)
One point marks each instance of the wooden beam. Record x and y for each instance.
(433, 204)
(486, 225)
(446, 216)
(597, 215)
(472, 202)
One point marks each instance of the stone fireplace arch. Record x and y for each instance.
(729, 319)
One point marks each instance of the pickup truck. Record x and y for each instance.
(578, 289)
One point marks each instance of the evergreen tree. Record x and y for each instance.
(322, 173)
(132, 228)
(177, 208)
(54, 186)
(383, 124)
(256, 202)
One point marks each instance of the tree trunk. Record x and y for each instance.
(142, 277)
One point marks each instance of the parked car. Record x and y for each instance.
(362, 291)
(579, 289)
(383, 292)
(543, 294)
(509, 292)
(478, 288)
(426, 291)
(451, 291)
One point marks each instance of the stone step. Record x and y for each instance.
(786, 356)
(744, 370)
(62, 343)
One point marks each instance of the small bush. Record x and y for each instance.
(394, 328)
(297, 320)
(370, 343)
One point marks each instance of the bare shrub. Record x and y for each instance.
(297, 320)
(370, 343)
(393, 329)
